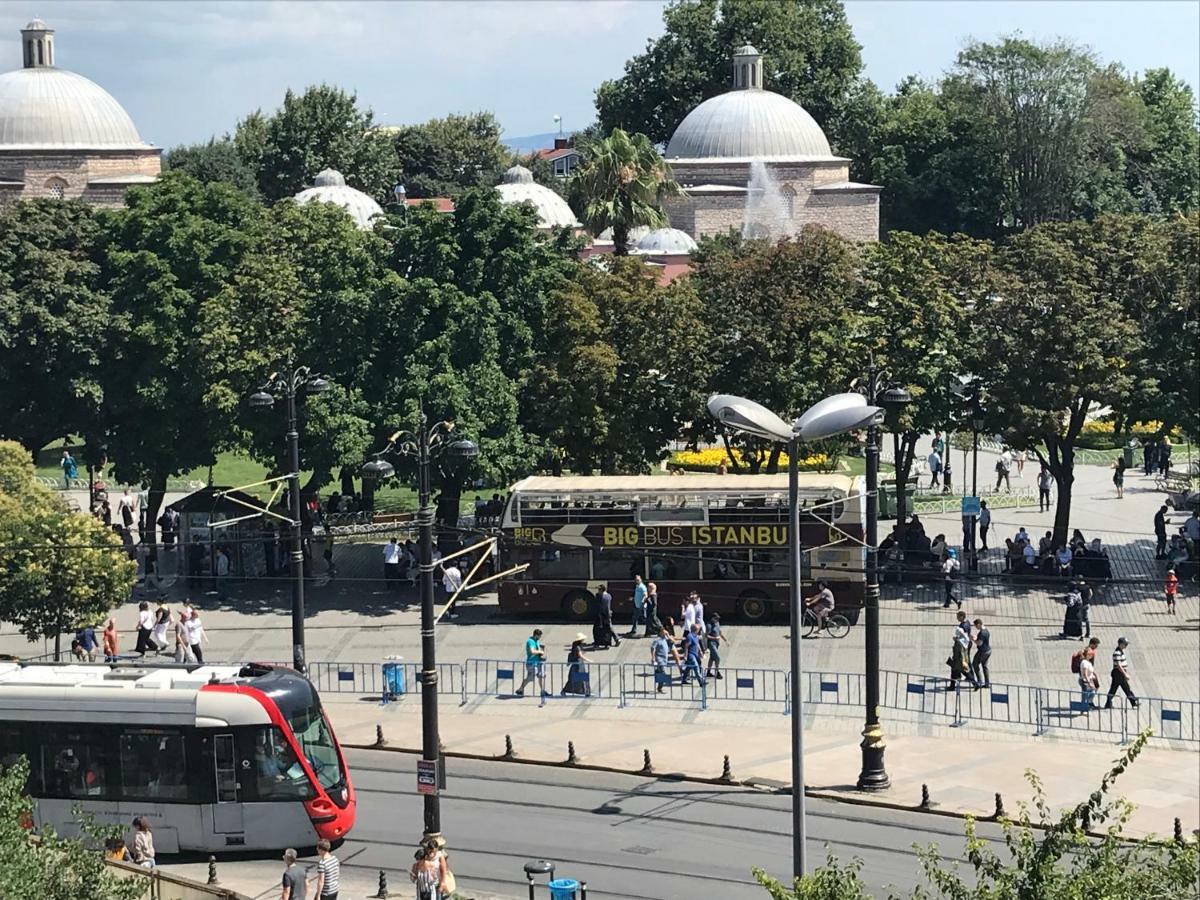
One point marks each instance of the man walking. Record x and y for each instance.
(329, 872)
(1120, 675)
(935, 466)
(604, 636)
(1160, 532)
(985, 522)
(639, 605)
(535, 663)
(391, 564)
(293, 881)
(694, 653)
(949, 569)
(960, 651)
(1003, 465)
(714, 637)
(1044, 480)
(983, 652)
(662, 651)
(69, 469)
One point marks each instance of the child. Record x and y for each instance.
(1172, 587)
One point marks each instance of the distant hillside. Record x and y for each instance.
(529, 142)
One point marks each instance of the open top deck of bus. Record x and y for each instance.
(700, 483)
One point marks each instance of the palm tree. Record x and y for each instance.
(621, 186)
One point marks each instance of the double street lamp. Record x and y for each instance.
(287, 384)
(831, 416)
(424, 444)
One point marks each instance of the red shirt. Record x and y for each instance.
(1172, 585)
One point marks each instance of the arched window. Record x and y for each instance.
(41, 58)
(29, 54)
(56, 188)
(789, 200)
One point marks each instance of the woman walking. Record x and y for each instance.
(1119, 476)
(145, 626)
(429, 873)
(162, 622)
(577, 673)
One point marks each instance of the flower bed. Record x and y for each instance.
(710, 458)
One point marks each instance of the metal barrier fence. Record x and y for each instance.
(503, 678)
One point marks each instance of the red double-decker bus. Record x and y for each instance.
(725, 536)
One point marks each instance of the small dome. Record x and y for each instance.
(36, 25)
(666, 241)
(49, 108)
(636, 233)
(746, 50)
(517, 175)
(329, 178)
(748, 124)
(330, 187)
(519, 187)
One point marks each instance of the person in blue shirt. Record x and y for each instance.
(639, 606)
(714, 637)
(69, 469)
(86, 644)
(694, 654)
(662, 651)
(535, 663)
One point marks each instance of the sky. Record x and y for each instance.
(188, 70)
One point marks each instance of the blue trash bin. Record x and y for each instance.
(564, 889)
(393, 679)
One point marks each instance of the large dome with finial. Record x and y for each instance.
(330, 187)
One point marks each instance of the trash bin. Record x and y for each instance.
(393, 678)
(1128, 452)
(564, 889)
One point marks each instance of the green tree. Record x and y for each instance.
(171, 255)
(321, 128)
(1164, 173)
(214, 160)
(49, 867)
(1053, 343)
(55, 320)
(442, 156)
(60, 569)
(778, 315)
(621, 186)
(810, 55)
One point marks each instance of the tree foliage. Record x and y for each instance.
(214, 160)
(441, 157)
(810, 55)
(60, 569)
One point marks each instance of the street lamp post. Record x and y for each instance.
(873, 776)
(287, 384)
(423, 444)
(833, 415)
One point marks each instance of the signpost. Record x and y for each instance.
(427, 776)
(970, 514)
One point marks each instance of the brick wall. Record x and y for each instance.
(41, 171)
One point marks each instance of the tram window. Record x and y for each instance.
(279, 775)
(725, 563)
(153, 764)
(619, 565)
(76, 764)
(316, 743)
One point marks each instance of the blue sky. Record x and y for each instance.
(187, 70)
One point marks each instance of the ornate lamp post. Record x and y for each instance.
(873, 776)
(287, 384)
(424, 444)
(833, 415)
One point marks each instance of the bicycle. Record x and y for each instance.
(835, 625)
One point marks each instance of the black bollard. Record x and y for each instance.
(726, 771)
(508, 747)
(999, 814)
(212, 870)
(924, 797)
(583, 890)
(379, 740)
(1178, 831)
(382, 893)
(647, 769)
(571, 759)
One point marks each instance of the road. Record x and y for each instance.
(628, 837)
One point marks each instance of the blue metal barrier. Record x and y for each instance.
(502, 678)
(643, 681)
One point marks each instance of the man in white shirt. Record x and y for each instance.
(196, 636)
(451, 580)
(688, 614)
(391, 563)
(1003, 464)
(1089, 683)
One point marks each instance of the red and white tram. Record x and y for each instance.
(215, 756)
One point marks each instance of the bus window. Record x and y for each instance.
(153, 764)
(671, 564)
(76, 764)
(726, 563)
(555, 562)
(771, 565)
(618, 565)
(279, 775)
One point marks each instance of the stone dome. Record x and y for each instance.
(44, 108)
(666, 241)
(330, 187)
(518, 186)
(748, 123)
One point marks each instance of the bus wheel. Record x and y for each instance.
(578, 605)
(754, 609)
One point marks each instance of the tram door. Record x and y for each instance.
(227, 812)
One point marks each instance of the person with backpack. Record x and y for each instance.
(1088, 652)
(949, 570)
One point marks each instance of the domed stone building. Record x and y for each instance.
(64, 136)
(330, 187)
(518, 186)
(756, 162)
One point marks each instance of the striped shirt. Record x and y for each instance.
(1119, 660)
(331, 869)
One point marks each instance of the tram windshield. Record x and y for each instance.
(301, 708)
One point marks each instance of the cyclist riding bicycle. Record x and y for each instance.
(821, 603)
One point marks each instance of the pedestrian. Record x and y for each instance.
(145, 626)
(947, 477)
(1003, 464)
(693, 654)
(1019, 459)
(85, 645)
(1171, 587)
(143, 843)
(1085, 604)
(1120, 675)
(1164, 455)
(328, 872)
(196, 636)
(577, 673)
(639, 606)
(1044, 480)
(183, 645)
(69, 469)
(127, 508)
(1147, 457)
(985, 522)
(429, 873)
(112, 641)
(452, 580)
(162, 621)
(1089, 682)
(949, 570)
(714, 638)
(653, 625)
(935, 466)
(699, 611)
(391, 564)
(1118, 478)
(169, 521)
(603, 634)
(960, 651)
(687, 612)
(535, 663)
(294, 882)
(221, 565)
(327, 554)
(1160, 532)
(662, 649)
(983, 652)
